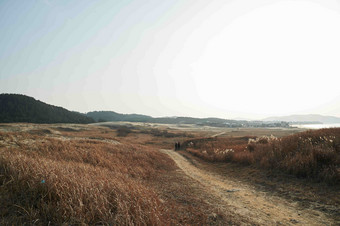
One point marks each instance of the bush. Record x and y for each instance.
(123, 131)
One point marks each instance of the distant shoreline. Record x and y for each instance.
(317, 126)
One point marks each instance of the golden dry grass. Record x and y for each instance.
(72, 174)
(48, 180)
(311, 154)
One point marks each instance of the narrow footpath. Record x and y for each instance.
(243, 200)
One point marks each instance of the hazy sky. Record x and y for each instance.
(223, 58)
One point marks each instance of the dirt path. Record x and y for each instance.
(218, 134)
(240, 199)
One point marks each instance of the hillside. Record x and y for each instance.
(111, 116)
(305, 118)
(21, 108)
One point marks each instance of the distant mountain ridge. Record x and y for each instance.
(306, 118)
(101, 116)
(109, 116)
(22, 108)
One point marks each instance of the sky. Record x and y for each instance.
(221, 58)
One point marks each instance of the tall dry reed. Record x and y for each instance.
(46, 180)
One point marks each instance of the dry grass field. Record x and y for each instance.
(79, 174)
(115, 174)
(310, 154)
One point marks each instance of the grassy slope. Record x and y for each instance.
(311, 154)
(79, 182)
(82, 175)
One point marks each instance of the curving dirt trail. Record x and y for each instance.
(242, 200)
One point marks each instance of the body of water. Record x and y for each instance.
(317, 126)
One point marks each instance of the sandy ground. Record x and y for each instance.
(210, 131)
(243, 200)
(53, 131)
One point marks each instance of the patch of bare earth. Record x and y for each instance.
(190, 204)
(256, 201)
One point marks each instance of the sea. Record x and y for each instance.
(317, 126)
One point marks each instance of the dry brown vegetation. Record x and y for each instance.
(78, 182)
(79, 176)
(311, 154)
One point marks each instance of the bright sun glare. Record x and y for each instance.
(271, 60)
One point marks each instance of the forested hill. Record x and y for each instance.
(21, 108)
(111, 116)
(107, 116)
